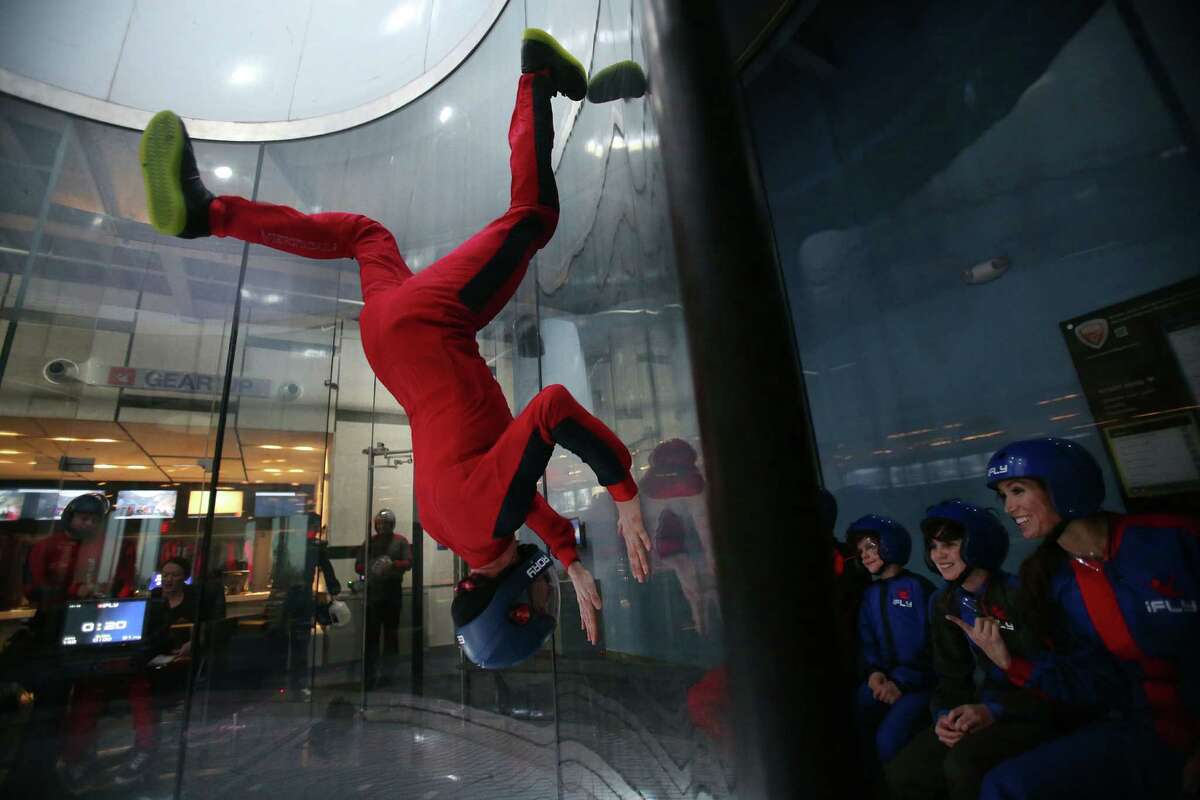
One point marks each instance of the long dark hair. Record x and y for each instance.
(1036, 572)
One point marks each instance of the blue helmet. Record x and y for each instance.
(501, 622)
(1068, 471)
(984, 543)
(895, 542)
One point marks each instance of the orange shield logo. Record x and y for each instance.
(1093, 333)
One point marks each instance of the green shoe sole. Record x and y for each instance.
(624, 80)
(161, 153)
(539, 50)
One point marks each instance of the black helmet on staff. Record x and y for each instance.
(385, 521)
(90, 503)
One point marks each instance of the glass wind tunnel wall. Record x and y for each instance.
(279, 703)
(1059, 144)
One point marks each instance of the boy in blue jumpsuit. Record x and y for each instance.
(977, 724)
(893, 632)
(1124, 591)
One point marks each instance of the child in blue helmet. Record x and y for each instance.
(893, 631)
(978, 723)
(1118, 595)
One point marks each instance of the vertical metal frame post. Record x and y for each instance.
(792, 726)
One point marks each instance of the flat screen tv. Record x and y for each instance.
(229, 503)
(11, 503)
(50, 503)
(279, 504)
(145, 504)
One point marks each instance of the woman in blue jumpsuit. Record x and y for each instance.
(893, 632)
(1123, 592)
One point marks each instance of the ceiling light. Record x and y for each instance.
(401, 17)
(306, 448)
(987, 435)
(985, 271)
(447, 113)
(271, 446)
(295, 470)
(223, 173)
(97, 221)
(10, 452)
(63, 439)
(272, 470)
(136, 466)
(9, 433)
(244, 74)
(5, 462)
(106, 466)
(1040, 402)
(103, 441)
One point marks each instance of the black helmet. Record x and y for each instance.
(499, 622)
(385, 515)
(90, 503)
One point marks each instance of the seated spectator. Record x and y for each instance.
(893, 630)
(978, 725)
(1107, 589)
(174, 610)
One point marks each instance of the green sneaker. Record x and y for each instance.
(540, 50)
(175, 196)
(624, 80)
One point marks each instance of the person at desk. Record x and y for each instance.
(174, 612)
(174, 609)
(388, 557)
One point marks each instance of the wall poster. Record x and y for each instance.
(1139, 364)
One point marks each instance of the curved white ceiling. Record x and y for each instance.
(237, 70)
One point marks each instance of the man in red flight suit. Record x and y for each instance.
(476, 468)
(64, 567)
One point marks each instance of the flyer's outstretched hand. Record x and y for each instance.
(637, 541)
(589, 599)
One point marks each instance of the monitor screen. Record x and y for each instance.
(145, 504)
(11, 502)
(279, 504)
(51, 502)
(103, 622)
(229, 503)
(156, 581)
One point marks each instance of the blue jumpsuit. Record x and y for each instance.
(1134, 650)
(901, 605)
